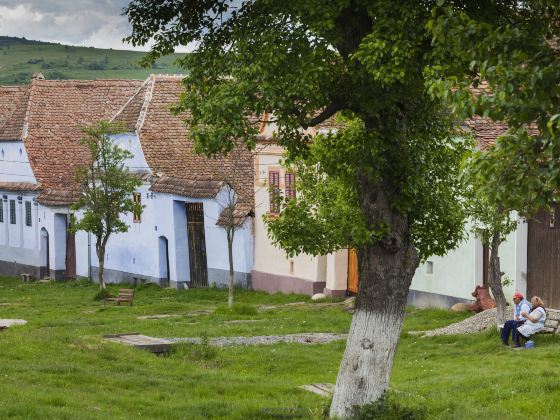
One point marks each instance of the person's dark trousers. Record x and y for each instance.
(510, 327)
(518, 338)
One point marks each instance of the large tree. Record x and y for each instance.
(385, 182)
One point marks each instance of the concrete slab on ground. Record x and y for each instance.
(324, 390)
(139, 341)
(7, 323)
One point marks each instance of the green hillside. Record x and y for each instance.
(20, 58)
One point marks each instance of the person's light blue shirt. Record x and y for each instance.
(524, 305)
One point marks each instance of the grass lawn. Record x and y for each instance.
(57, 366)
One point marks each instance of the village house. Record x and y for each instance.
(528, 257)
(178, 239)
(273, 271)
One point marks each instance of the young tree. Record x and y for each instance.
(492, 222)
(394, 168)
(514, 72)
(107, 188)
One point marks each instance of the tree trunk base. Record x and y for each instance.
(367, 362)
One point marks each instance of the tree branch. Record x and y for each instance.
(328, 112)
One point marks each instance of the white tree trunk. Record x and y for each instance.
(368, 360)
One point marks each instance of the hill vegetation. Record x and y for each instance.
(20, 58)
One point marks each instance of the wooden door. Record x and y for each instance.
(70, 254)
(197, 245)
(543, 257)
(45, 269)
(352, 286)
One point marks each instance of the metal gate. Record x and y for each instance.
(197, 245)
(543, 257)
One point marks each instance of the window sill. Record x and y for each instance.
(272, 216)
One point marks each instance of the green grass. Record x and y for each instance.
(20, 58)
(58, 366)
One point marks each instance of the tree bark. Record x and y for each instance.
(495, 280)
(386, 270)
(101, 258)
(231, 277)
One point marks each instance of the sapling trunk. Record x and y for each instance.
(231, 276)
(495, 280)
(101, 274)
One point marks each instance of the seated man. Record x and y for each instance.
(521, 305)
(535, 320)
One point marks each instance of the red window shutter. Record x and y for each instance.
(274, 184)
(290, 179)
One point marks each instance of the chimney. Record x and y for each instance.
(38, 76)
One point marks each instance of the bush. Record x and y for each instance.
(97, 66)
(56, 75)
(386, 408)
(102, 295)
(195, 352)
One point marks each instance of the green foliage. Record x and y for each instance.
(305, 62)
(510, 53)
(386, 408)
(106, 184)
(487, 213)
(102, 294)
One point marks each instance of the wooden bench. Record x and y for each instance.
(125, 295)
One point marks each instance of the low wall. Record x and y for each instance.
(552, 324)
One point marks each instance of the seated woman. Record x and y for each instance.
(535, 320)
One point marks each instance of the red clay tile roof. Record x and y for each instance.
(52, 197)
(129, 115)
(18, 186)
(239, 216)
(168, 149)
(486, 131)
(13, 105)
(187, 188)
(50, 113)
(56, 111)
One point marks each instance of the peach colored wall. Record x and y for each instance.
(272, 260)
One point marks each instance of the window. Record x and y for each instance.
(27, 213)
(429, 267)
(13, 212)
(274, 185)
(137, 217)
(1, 210)
(290, 180)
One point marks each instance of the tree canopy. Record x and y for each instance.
(306, 61)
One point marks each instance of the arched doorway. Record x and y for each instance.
(163, 246)
(44, 268)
